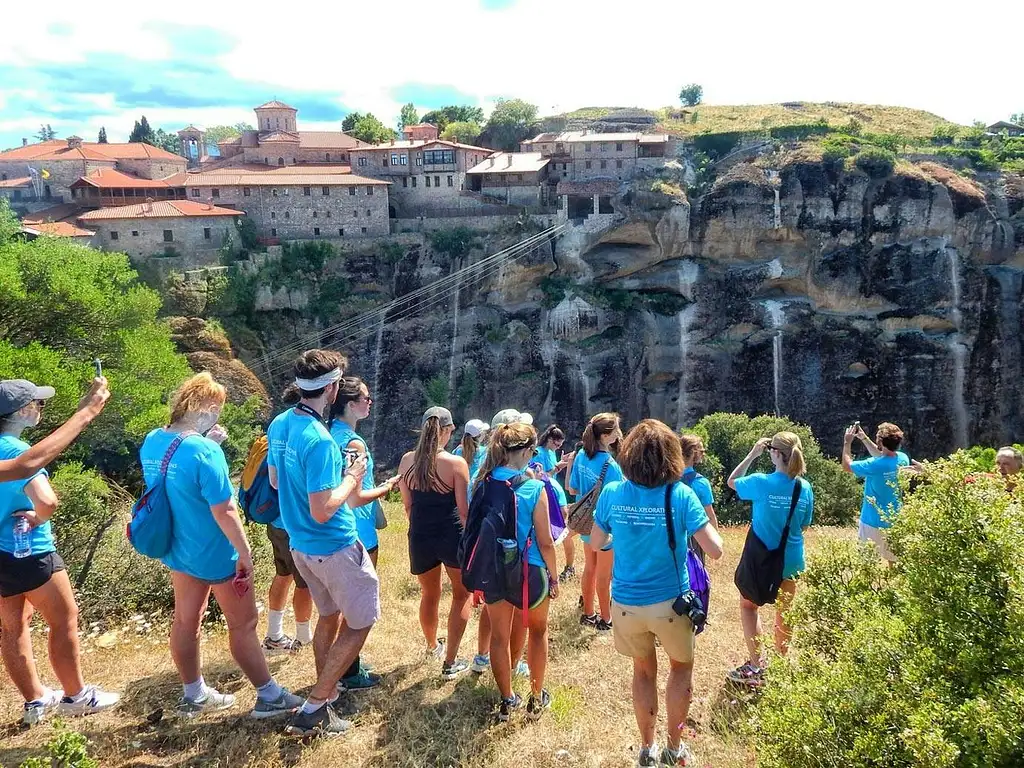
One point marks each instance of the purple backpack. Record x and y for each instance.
(700, 584)
(558, 524)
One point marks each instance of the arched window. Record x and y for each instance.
(327, 157)
(268, 123)
(280, 161)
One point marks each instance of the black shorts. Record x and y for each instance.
(19, 575)
(433, 547)
(536, 585)
(284, 565)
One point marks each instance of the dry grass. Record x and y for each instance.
(711, 118)
(414, 719)
(954, 181)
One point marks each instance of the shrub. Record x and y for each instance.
(920, 664)
(729, 436)
(67, 749)
(875, 162)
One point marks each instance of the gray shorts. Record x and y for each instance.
(343, 582)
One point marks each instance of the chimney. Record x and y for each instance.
(148, 205)
(509, 164)
(74, 142)
(24, 142)
(492, 162)
(209, 204)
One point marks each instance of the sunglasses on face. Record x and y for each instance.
(40, 404)
(364, 399)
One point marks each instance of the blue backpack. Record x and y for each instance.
(256, 496)
(151, 528)
(489, 553)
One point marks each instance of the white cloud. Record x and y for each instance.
(560, 55)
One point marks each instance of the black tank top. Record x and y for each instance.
(433, 511)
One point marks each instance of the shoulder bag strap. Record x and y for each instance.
(670, 527)
(604, 471)
(792, 508)
(171, 449)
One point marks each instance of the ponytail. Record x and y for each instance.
(793, 451)
(422, 475)
(503, 440)
(600, 425)
(469, 446)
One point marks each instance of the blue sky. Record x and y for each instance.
(78, 68)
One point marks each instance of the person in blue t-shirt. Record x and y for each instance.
(472, 448)
(305, 465)
(33, 576)
(510, 449)
(693, 454)
(209, 550)
(772, 495)
(549, 444)
(880, 472)
(648, 576)
(602, 432)
(351, 406)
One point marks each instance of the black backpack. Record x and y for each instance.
(759, 573)
(489, 554)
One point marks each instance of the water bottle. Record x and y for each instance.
(22, 537)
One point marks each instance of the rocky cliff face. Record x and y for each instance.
(791, 285)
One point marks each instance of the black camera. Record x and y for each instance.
(690, 606)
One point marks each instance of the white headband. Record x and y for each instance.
(311, 385)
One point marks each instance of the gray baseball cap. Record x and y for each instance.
(443, 415)
(15, 394)
(511, 416)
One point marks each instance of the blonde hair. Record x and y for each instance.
(600, 425)
(651, 455)
(689, 444)
(469, 444)
(196, 394)
(505, 439)
(422, 475)
(792, 450)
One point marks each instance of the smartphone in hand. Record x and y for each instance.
(240, 583)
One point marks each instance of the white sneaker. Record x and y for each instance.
(38, 710)
(90, 701)
(212, 701)
(438, 651)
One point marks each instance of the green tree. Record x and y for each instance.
(371, 130)
(511, 121)
(46, 133)
(455, 242)
(1018, 119)
(63, 304)
(102, 138)
(437, 390)
(166, 140)
(454, 114)
(142, 132)
(218, 133)
(350, 121)
(409, 115)
(461, 132)
(691, 95)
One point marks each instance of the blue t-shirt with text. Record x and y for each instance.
(366, 515)
(307, 460)
(771, 495)
(881, 488)
(13, 499)
(197, 478)
(700, 485)
(587, 470)
(527, 494)
(644, 572)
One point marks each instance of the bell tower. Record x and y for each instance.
(193, 144)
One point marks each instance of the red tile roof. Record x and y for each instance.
(420, 144)
(280, 177)
(53, 213)
(57, 229)
(58, 149)
(275, 136)
(162, 209)
(106, 178)
(275, 104)
(328, 140)
(20, 182)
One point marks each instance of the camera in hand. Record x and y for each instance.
(689, 605)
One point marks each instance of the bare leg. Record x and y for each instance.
(501, 657)
(278, 597)
(190, 598)
(16, 645)
(645, 697)
(589, 581)
(339, 658)
(240, 613)
(782, 631)
(569, 547)
(430, 601)
(324, 637)
(55, 600)
(537, 650)
(302, 604)
(483, 634)
(751, 622)
(604, 583)
(517, 640)
(677, 699)
(458, 616)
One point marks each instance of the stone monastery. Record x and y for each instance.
(306, 185)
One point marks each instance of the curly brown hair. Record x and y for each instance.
(651, 455)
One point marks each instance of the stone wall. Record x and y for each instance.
(63, 173)
(485, 223)
(515, 194)
(196, 239)
(293, 215)
(152, 169)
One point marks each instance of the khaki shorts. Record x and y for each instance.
(879, 538)
(343, 582)
(635, 627)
